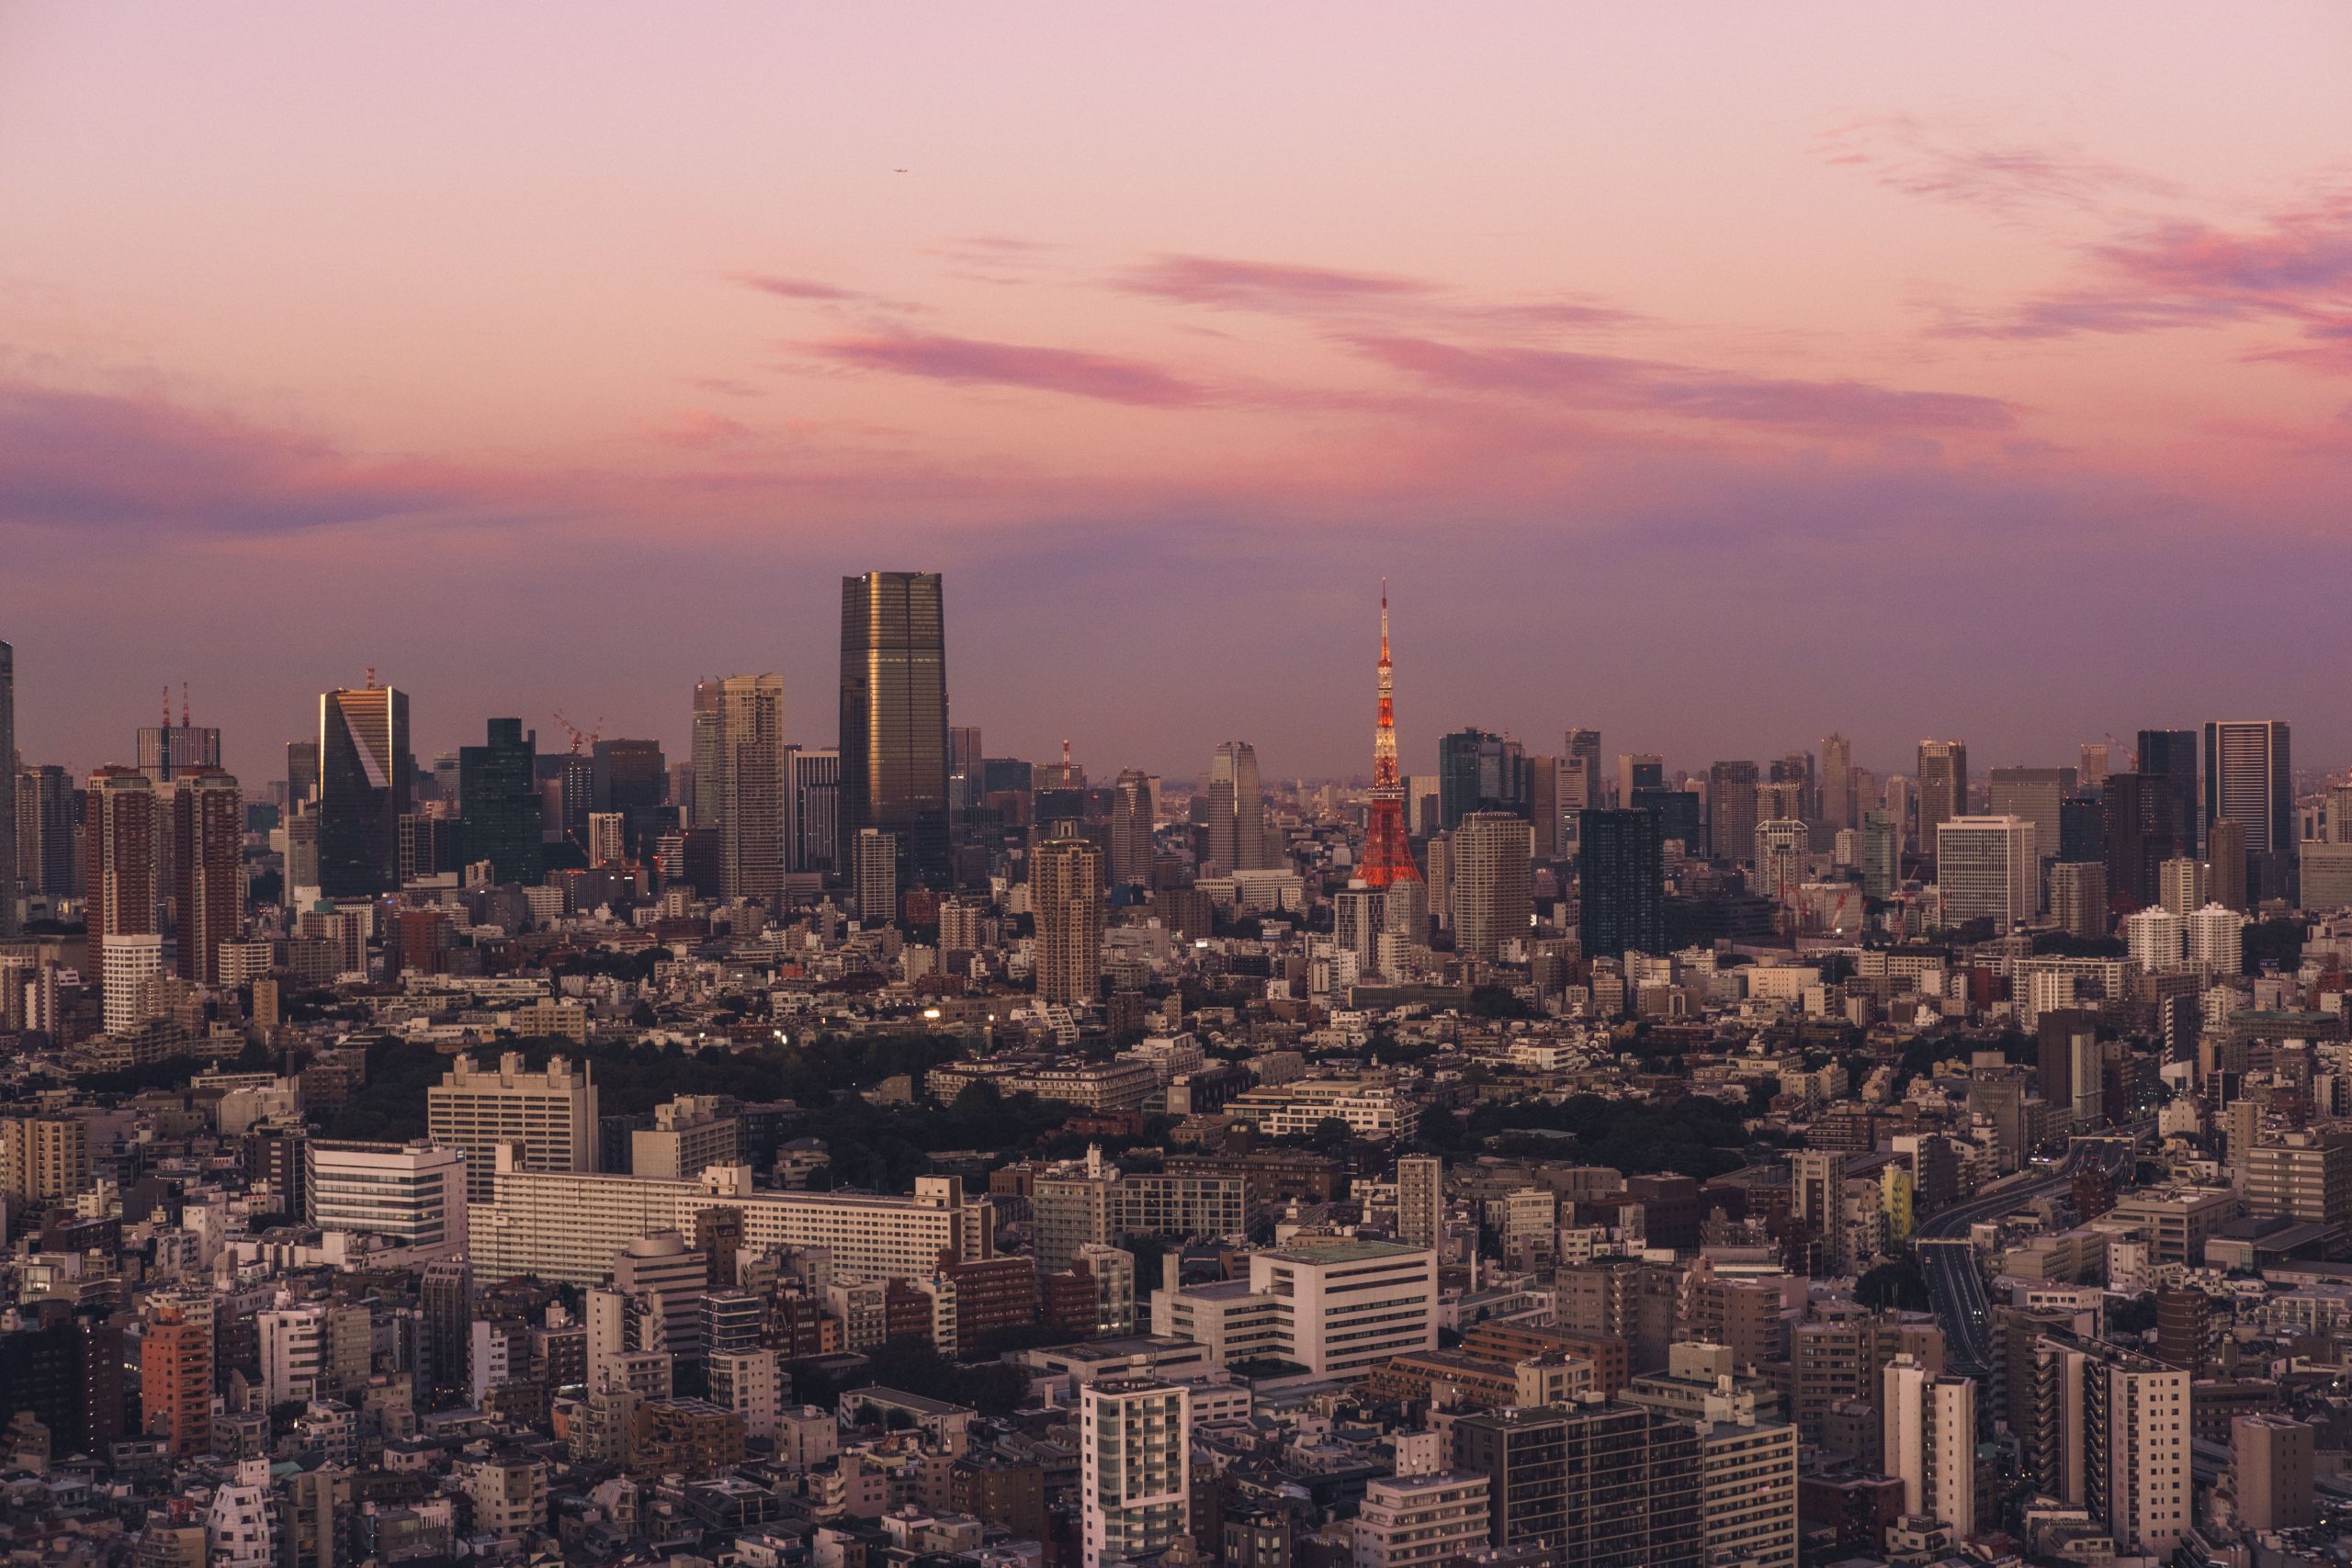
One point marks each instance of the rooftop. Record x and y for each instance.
(1345, 1252)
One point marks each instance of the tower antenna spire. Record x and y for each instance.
(1388, 858)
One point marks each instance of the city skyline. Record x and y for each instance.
(1836, 352)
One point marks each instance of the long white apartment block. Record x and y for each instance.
(565, 1226)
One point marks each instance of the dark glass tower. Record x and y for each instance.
(1620, 883)
(2171, 755)
(894, 719)
(498, 800)
(630, 778)
(8, 806)
(366, 777)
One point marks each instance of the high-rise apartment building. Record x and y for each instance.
(1929, 1442)
(1943, 786)
(2249, 780)
(411, 1195)
(1731, 810)
(175, 1379)
(366, 777)
(1583, 787)
(2302, 1176)
(46, 864)
(499, 806)
(894, 718)
(1492, 882)
(2078, 903)
(1135, 1468)
(874, 876)
(1236, 809)
(2229, 874)
(2271, 1462)
(2143, 824)
(120, 831)
(1782, 859)
(1840, 804)
(168, 751)
(1747, 1492)
(1620, 882)
(1986, 868)
(816, 786)
(1881, 852)
(207, 867)
(1421, 1200)
(1066, 899)
(2113, 1437)
(1596, 1486)
(1421, 1521)
(739, 722)
(44, 1160)
(551, 1112)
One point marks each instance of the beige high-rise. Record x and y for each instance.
(746, 748)
(1065, 896)
(44, 1159)
(1493, 898)
(1943, 785)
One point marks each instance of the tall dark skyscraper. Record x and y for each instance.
(499, 803)
(2250, 780)
(1479, 770)
(1731, 810)
(2172, 755)
(630, 778)
(171, 750)
(1620, 882)
(2143, 825)
(894, 718)
(365, 778)
(8, 807)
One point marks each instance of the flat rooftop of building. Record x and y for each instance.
(1346, 1252)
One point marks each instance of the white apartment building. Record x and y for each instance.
(130, 967)
(552, 1114)
(1420, 1521)
(1931, 1436)
(1370, 1108)
(751, 1384)
(566, 1228)
(1135, 1467)
(1336, 1308)
(1748, 1493)
(411, 1194)
(293, 1353)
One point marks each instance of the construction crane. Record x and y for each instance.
(580, 738)
(2130, 754)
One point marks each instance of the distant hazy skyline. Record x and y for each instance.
(1717, 375)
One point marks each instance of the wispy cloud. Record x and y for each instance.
(797, 288)
(1613, 383)
(973, 361)
(1264, 286)
(1960, 164)
(92, 461)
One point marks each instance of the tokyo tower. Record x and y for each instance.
(1387, 856)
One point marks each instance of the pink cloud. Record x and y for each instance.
(1262, 286)
(796, 288)
(1903, 153)
(971, 361)
(93, 461)
(1612, 383)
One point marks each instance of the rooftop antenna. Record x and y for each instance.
(168, 705)
(371, 677)
(184, 724)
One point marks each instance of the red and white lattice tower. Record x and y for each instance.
(1388, 858)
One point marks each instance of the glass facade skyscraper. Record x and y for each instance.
(498, 800)
(1620, 883)
(366, 777)
(894, 718)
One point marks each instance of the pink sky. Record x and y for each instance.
(1716, 375)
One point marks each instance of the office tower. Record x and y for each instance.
(552, 1113)
(302, 777)
(207, 867)
(46, 864)
(1943, 786)
(875, 876)
(2079, 900)
(1840, 806)
(2068, 1064)
(2227, 865)
(2337, 826)
(120, 830)
(2303, 1176)
(2113, 1437)
(2142, 827)
(1580, 754)
(1794, 773)
(9, 872)
(175, 1380)
(1421, 1200)
(411, 1194)
(1592, 1485)
(1479, 771)
(2082, 827)
(2093, 770)
(1929, 1442)
(445, 1297)
(894, 718)
(1131, 828)
(1358, 917)
(964, 753)
(499, 804)
(2038, 794)
(2270, 1459)
(1543, 781)
(1388, 858)
(630, 778)
(2172, 756)
(816, 779)
(1620, 883)
(44, 1160)
(166, 751)
(1236, 809)
(1493, 900)
(1066, 899)
(1782, 859)
(1731, 810)
(1986, 868)
(366, 775)
(1439, 853)
(1135, 1458)
(1678, 816)
(2249, 780)
(1882, 853)
(702, 805)
(1638, 770)
(747, 795)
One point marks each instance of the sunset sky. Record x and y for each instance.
(1720, 375)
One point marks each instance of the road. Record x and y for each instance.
(1956, 1280)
